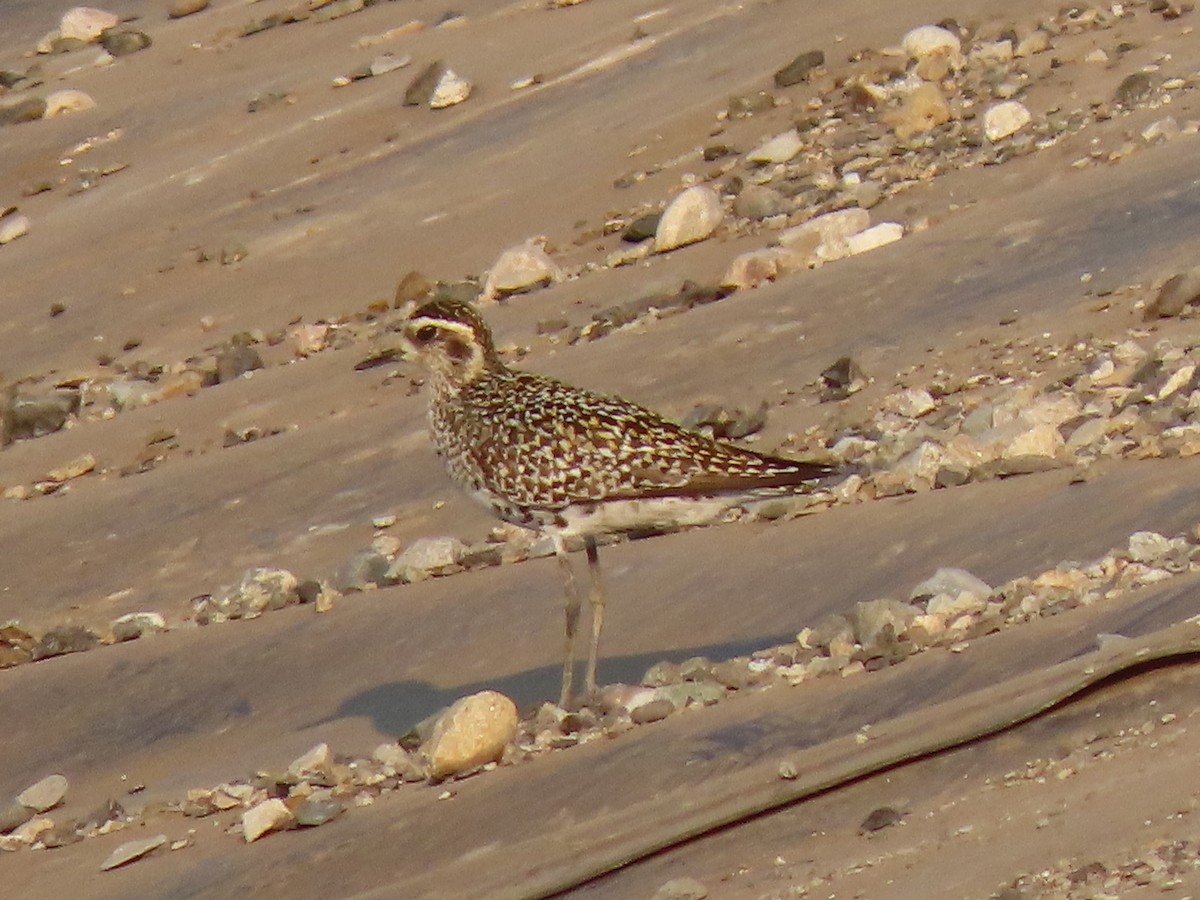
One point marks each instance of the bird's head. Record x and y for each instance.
(451, 340)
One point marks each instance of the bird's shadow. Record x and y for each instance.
(395, 707)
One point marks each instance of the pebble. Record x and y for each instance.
(652, 711)
(878, 819)
(13, 816)
(883, 620)
(692, 216)
(1037, 41)
(522, 268)
(131, 851)
(318, 810)
(427, 556)
(641, 228)
(76, 468)
(13, 226)
(830, 230)
(413, 288)
(841, 379)
(67, 101)
(177, 9)
(86, 23)
(124, 42)
(473, 732)
(1136, 90)
(681, 889)
(450, 90)
(778, 149)
(45, 794)
(1005, 119)
(382, 65)
(875, 237)
(270, 815)
(757, 202)
(797, 70)
(912, 403)
(136, 624)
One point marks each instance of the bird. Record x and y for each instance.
(572, 464)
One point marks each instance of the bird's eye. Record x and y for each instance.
(426, 333)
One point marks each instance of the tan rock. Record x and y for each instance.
(45, 794)
(778, 149)
(472, 732)
(451, 89)
(177, 9)
(317, 761)
(826, 237)
(874, 237)
(270, 815)
(692, 216)
(749, 270)
(132, 850)
(76, 468)
(67, 101)
(86, 23)
(522, 268)
(13, 226)
(1040, 440)
(1005, 119)
(933, 42)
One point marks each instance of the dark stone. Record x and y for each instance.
(421, 88)
(714, 152)
(841, 379)
(654, 711)
(1178, 292)
(363, 570)
(236, 360)
(1135, 90)
(313, 812)
(125, 41)
(23, 111)
(641, 228)
(878, 819)
(308, 590)
(412, 288)
(797, 70)
(32, 417)
(742, 106)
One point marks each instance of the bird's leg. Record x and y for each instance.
(597, 601)
(572, 612)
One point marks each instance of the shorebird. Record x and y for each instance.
(572, 464)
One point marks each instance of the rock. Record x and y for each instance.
(132, 850)
(743, 106)
(1136, 90)
(13, 226)
(826, 235)
(16, 645)
(841, 379)
(778, 149)
(382, 65)
(45, 794)
(317, 810)
(1037, 41)
(177, 9)
(916, 471)
(58, 102)
(13, 816)
(641, 228)
(922, 110)
(265, 588)
(63, 640)
(749, 270)
(758, 202)
(421, 88)
(681, 889)
(270, 815)
(911, 403)
(236, 360)
(935, 50)
(427, 556)
(26, 110)
(1150, 548)
(651, 711)
(450, 90)
(951, 606)
(878, 819)
(875, 237)
(881, 621)
(521, 268)
(364, 570)
(692, 216)
(1161, 130)
(948, 580)
(76, 468)
(1040, 440)
(134, 625)
(1005, 119)
(797, 70)
(124, 42)
(307, 340)
(403, 763)
(317, 761)
(473, 732)
(1178, 292)
(86, 23)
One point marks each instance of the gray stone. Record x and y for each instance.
(45, 794)
(317, 810)
(125, 41)
(797, 70)
(421, 88)
(14, 815)
(1136, 90)
(521, 268)
(177, 9)
(882, 621)
(134, 625)
(681, 889)
(63, 640)
(364, 570)
(132, 850)
(760, 202)
(1177, 293)
(236, 360)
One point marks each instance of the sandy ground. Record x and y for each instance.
(331, 195)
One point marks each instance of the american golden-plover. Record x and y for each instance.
(572, 464)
